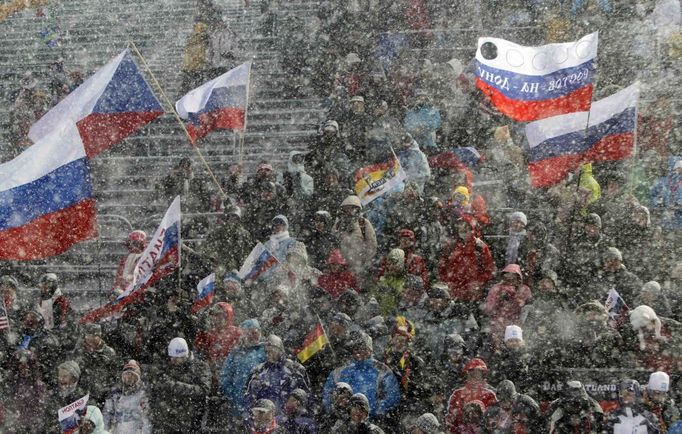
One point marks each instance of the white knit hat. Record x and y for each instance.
(518, 216)
(513, 332)
(659, 382)
(641, 317)
(178, 348)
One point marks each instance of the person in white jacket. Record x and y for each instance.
(127, 408)
(414, 162)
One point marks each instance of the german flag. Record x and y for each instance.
(313, 343)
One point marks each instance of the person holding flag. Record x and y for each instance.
(357, 239)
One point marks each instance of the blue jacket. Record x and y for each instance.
(422, 123)
(667, 193)
(276, 381)
(415, 165)
(299, 424)
(371, 378)
(236, 372)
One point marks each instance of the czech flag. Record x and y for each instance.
(259, 261)
(205, 292)
(46, 198)
(314, 342)
(159, 259)
(530, 83)
(376, 180)
(220, 103)
(561, 144)
(109, 106)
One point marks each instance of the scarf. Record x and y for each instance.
(512, 254)
(46, 308)
(270, 428)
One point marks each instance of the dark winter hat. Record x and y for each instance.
(275, 341)
(414, 282)
(8, 280)
(343, 387)
(300, 396)
(92, 329)
(360, 400)
(506, 391)
(250, 324)
(439, 291)
(612, 254)
(453, 342)
(342, 318)
(264, 405)
(593, 219)
(72, 368)
(428, 423)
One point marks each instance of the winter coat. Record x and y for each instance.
(236, 372)
(631, 419)
(422, 122)
(55, 401)
(666, 414)
(45, 346)
(56, 311)
(24, 398)
(466, 267)
(415, 165)
(99, 371)
(627, 284)
(183, 387)
(359, 245)
(370, 377)
(460, 397)
(127, 411)
(275, 381)
(503, 307)
(365, 427)
(410, 369)
(94, 415)
(388, 291)
(229, 244)
(297, 424)
(319, 245)
(414, 264)
(507, 364)
(124, 272)
(336, 284)
(214, 345)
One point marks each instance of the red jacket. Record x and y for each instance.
(215, 344)
(460, 397)
(336, 283)
(466, 268)
(503, 307)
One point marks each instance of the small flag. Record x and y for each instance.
(259, 261)
(561, 144)
(113, 103)
(205, 292)
(46, 199)
(69, 416)
(530, 83)
(4, 319)
(219, 103)
(374, 181)
(616, 307)
(314, 342)
(159, 259)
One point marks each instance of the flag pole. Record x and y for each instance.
(242, 134)
(331, 347)
(177, 117)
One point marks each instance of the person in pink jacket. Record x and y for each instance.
(505, 301)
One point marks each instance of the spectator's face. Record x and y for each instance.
(251, 335)
(218, 320)
(357, 414)
(513, 344)
(406, 243)
(336, 329)
(628, 397)
(177, 361)
(592, 231)
(8, 294)
(261, 419)
(475, 375)
(437, 304)
(319, 225)
(357, 107)
(291, 406)
(463, 230)
(350, 211)
(510, 278)
(86, 427)
(455, 356)
(342, 399)
(361, 352)
(273, 353)
(546, 285)
(516, 226)
(335, 268)
(92, 342)
(128, 378)
(472, 415)
(65, 379)
(329, 131)
(31, 321)
(278, 227)
(231, 288)
(657, 396)
(399, 343)
(612, 265)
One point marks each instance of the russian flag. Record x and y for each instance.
(69, 416)
(219, 103)
(110, 105)
(205, 292)
(530, 83)
(257, 263)
(46, 198)
(159, 259)
(616, 307)
(561, 144)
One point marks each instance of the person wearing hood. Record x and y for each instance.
(269, 202)
(422, 120)
(279, 243)
(99, 363)
(466, 264)
(238, 366)
(126, 410)
(233, 293)
(53, 305)
(337, 278)
(513, 413)
(630, 416)
(666, 195)
(413, 301)
(357, 239)
(299, 187)
(368, 376)
(613, 274)
(389, 288)
(321, 241)
(42, 343)
(515, 252)
(25, 394)
(338, 415)
(183, 382)
(135, 244)
(414, 263)
(356, 124)
(475, 389)
(414, 162)
(66, 391)
(575, 412)
(657, 401)
(327, 152)
(229, 243)
(505, 301)
(214, 343)
(296, 418)
(359, 420)
(92, 421)
(277, 377)
(448, 368)
(651, 294)
(262, 420)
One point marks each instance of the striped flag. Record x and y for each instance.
(616, 307)
(314, 342)
(4, 319)
(376, 180)
(257, 263)
(205, 293)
